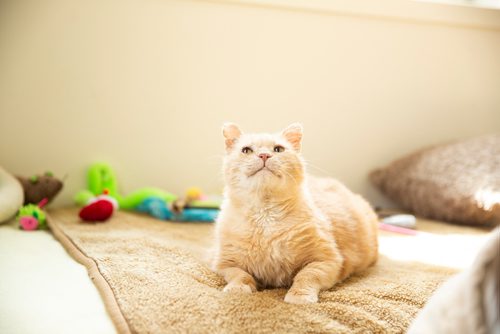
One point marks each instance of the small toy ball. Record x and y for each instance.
(99, 209)
(194, 193)
(31, 217)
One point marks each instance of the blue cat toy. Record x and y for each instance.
(158, 208)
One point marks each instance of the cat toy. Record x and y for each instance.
(31, 217)
(101, 177)
(162, 210)
(397, 222)
(99, 209)
(40, 186)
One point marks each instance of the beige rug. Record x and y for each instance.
(153, 279)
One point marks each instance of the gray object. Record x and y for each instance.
(401, 220)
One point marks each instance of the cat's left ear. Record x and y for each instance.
(231, 133)
(293, 133)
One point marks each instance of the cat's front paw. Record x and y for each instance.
(238, 287)
(300, 297)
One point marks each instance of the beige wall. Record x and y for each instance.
(146, 84)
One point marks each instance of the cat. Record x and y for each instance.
(279, 227)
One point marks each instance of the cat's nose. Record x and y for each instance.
(264, 156)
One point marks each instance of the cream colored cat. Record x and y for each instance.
(279, 227)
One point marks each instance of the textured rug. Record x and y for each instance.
(153, 278)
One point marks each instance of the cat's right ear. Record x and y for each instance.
(231, 133)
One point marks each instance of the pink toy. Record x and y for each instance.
(31, 217)
(28, 223)
(396, 229)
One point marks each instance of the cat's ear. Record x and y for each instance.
(293, 133)
(231, 133)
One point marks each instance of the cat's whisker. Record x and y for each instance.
(291, 176)
(308, 164)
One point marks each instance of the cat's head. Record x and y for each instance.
(256, 162)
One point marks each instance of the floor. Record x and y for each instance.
(43, 290)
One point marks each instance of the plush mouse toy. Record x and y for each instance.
(38, 187)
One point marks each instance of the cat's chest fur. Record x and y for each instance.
(265, 247)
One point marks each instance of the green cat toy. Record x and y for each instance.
(101, 178)
(31, 217)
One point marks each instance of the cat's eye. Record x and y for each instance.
(278, 148)
(246, 150)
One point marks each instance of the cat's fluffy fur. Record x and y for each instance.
(279, 227)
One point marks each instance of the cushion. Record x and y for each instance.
(11, 196)
(456, 182)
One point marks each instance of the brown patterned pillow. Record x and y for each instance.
(457, 182)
